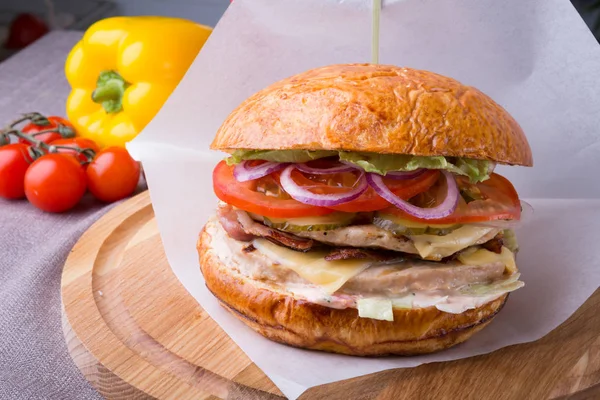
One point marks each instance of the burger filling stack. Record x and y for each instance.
(359, 211)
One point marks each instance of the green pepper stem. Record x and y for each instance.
(109, 92)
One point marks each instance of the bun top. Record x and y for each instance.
(375, 108)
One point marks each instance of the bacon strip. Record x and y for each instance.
(495, 244)
(228, 219)
(240, 226)
(353, 253)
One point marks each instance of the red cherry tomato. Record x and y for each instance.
(78, 142)
(32, 129)
(55, 182)
(113, 175)
(14, 161)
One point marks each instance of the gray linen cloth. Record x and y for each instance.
(34, 362)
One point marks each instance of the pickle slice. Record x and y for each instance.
(307, 224)
(403, 227)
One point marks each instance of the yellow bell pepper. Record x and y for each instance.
(124, 69)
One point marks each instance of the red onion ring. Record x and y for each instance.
(321, 200)
(401, 175)
(303, 167)
(446, 208)
(243, 172)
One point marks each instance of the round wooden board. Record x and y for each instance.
(135, 333)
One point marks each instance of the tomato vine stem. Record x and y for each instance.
(38, 147)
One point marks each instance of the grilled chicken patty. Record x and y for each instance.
(240, 226)
(385, 279)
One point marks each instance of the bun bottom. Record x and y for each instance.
(283, 318)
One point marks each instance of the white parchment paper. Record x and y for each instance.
(536, 58)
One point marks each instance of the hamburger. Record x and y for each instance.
(359, 211)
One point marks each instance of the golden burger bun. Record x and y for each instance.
(375, 108)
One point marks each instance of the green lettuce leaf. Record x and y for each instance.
(279, 155)
(507, 285)
(476, 170)
(509, 240)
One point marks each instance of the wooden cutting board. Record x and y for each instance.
(135, 333)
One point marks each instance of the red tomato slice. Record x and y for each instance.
(369, 200)
(265, 196)
(499, 201)
(262, 196)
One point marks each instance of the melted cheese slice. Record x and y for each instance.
(437, 247)
(329, 275)
(485, 257)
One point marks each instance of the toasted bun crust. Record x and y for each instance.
(375, 108)
(299, 323)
